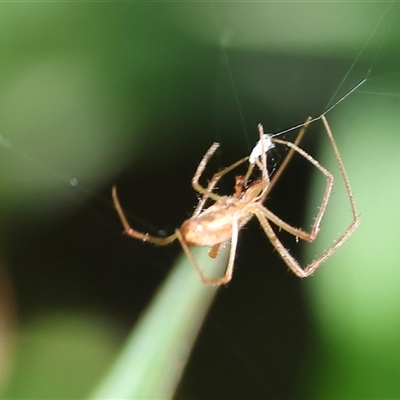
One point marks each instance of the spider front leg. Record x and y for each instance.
(261, 148)
(289, 156)
(308, 236)
(343, 172)
(263, 215)
(316, 225)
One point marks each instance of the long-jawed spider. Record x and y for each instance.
(222, 221)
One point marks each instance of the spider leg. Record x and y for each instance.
(229, 269)
(263, 215)
(214, 180)
(133, 233)
(343, 172)
(329, 184)
(289, 156)
(290, 261)
(298, 232)
(262, 165)
(264, 170)
(284, 253)
(317, 222)
(200, 169)
(207, 193)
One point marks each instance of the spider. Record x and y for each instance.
(222, 221)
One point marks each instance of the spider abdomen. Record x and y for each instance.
(212, 226)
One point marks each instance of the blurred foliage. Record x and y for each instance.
(134, 93)
(356, 298)
(58, 356)
(153, 359)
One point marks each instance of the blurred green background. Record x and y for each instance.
(93, 94)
